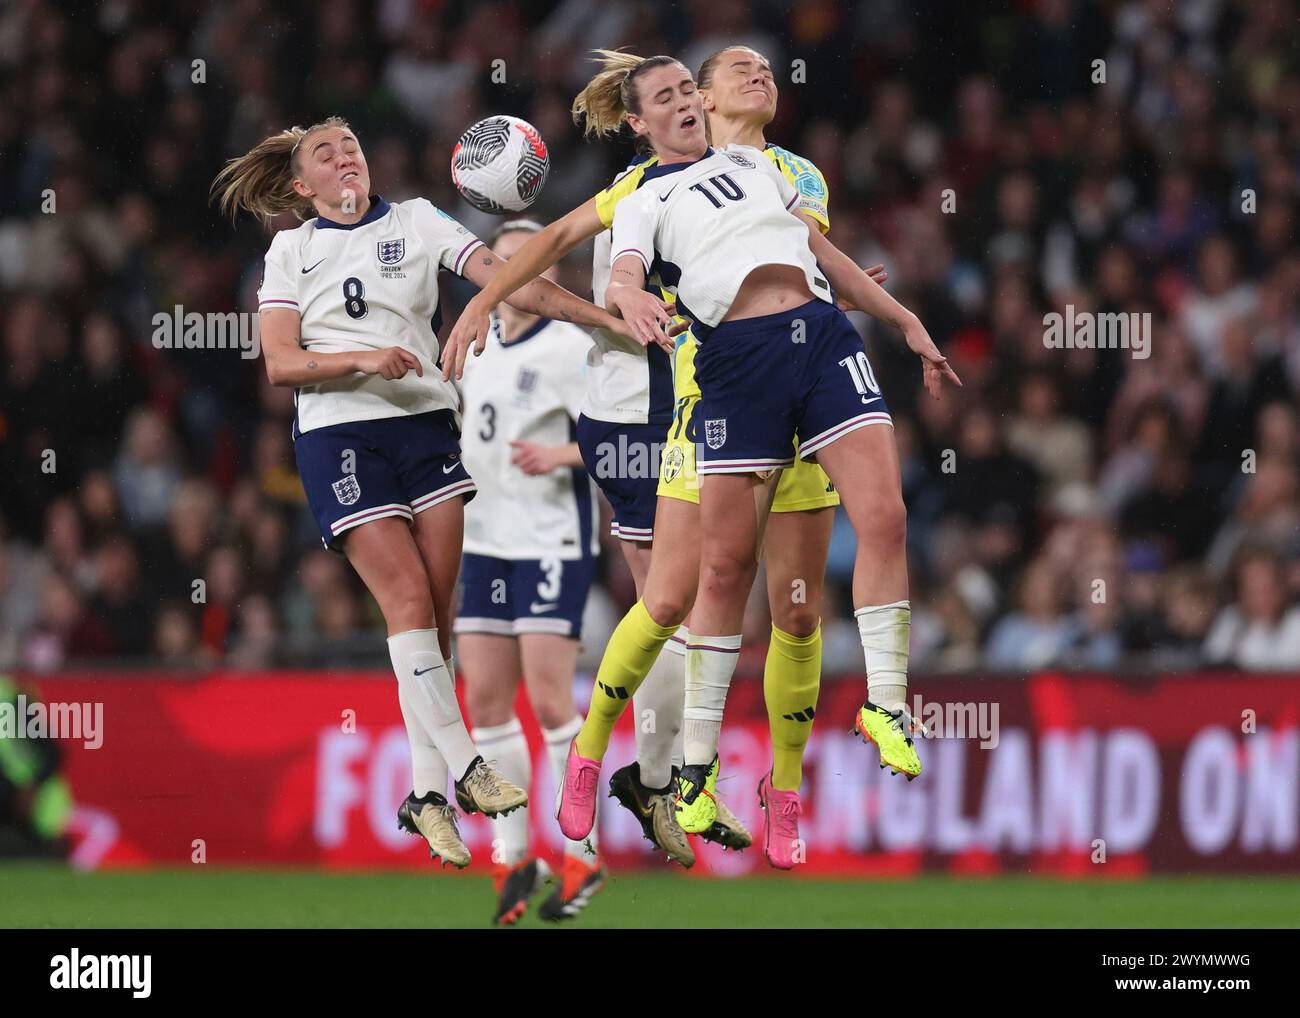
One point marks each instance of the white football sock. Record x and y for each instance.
(505, 747)
(679, 743)
(886, 633)
(429, 771)
(425, 687)
(428, 768)
(557, 751)
(658, 706)
(710, 664)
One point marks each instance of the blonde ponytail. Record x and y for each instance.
(611, 95)
(261, 180)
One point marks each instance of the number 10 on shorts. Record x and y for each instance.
(864, 379)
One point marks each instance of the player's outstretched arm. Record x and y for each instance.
(876, 272)
(538, 297)
(539, 253)
(287, 363)
(550, 300)
(646, 315)
(866, 295)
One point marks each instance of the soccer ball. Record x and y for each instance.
(500, 164)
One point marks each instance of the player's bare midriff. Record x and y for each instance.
(769, 290)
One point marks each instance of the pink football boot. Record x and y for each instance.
(575, 807)
(781, 827)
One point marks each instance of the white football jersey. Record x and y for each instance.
(530, 389)
(704, 226)
(366, 286)
(626, 383)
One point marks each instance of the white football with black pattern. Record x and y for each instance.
(500, 164)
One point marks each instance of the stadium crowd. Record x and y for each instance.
(1074, 508)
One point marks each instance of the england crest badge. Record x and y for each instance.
(347, 490)
(392, 251)
(715, 433)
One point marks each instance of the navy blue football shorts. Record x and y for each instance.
(623, 460)
(510, 597)
(361, 471)
(766, 381)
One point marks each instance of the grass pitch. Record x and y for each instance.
(41, 895)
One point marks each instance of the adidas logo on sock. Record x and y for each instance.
(613, 692)
(800, 715)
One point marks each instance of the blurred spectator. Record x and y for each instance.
(1039, 633)
(175, 637)
(1267, 515)
(1188, 612)
(956, 644)
(988, 481)
(1220, 298)
(1258, 630)
(22, 571)
(108, 388)
(176, 555)
(64, 629)
(1171, 512)
(146, 473)
(119, 600)
(1059, 447)
(256, 642)
(64, 544)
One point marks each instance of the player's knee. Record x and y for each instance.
(667, 607)
(553, 715)
(882, 520)
(408, 606)
(797, 616)
(486, 706)
(726, 572)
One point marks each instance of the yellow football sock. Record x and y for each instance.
(629, 656)
(792, 678)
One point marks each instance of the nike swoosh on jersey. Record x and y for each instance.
(538, 609)
(665, 197)
(449, 467)
(305, 271)
(421, 671)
